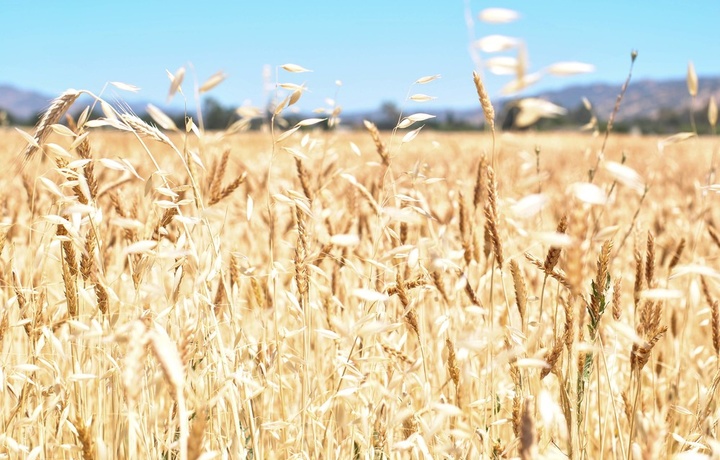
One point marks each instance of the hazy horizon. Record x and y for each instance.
(135, 99)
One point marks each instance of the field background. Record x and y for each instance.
(344, 301)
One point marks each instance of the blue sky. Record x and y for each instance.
(376, 48)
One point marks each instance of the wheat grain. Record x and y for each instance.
(528, 447)
(616, 299)
(197, 432)
(638, 276)
(491, 214)
(520, 289)
(650, 262)
(552, 358)
(380, 147)
(715, 320)
(304, 178)
(488, 109)
(452, 367)
(553, 254)
(480, 191)
(143, 129)
(52, 115)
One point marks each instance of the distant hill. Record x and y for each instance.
(643, 99)
(22, 104)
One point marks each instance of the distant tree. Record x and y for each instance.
(390, 113)
(32, 120)
(508, 116)
(578, 116)
(450, 121)
(216, 116)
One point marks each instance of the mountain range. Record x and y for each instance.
(643, 99)
(22, 104)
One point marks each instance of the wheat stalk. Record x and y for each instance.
(491, 214)
(380, 147)
(488, 110)
(52, 115)
(520, 290)
(485, 103)
(650, 262)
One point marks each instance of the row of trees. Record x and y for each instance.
(218, 117)
(667, 121)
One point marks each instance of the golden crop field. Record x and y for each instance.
(343, 295)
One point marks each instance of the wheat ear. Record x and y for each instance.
(57, 108)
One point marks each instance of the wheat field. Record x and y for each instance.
(345, 295)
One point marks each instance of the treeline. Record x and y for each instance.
(215, 117)
(219, 117)
(667, 121)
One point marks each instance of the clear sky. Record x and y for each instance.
(376, 48)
